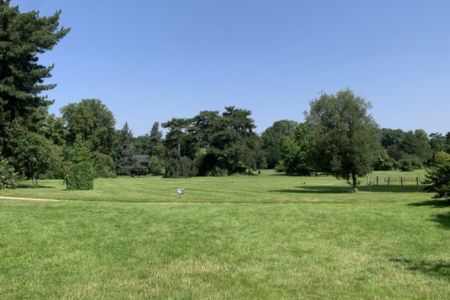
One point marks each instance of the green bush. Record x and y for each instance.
(80, 176)
(180, 167)
(441, 157)
(7, 175)
(410, 163)
(156, 166)
(387, 164)
(103, 165)
(138, 170)
(219, 172)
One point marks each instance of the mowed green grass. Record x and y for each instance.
(279, 238)
(269, 187)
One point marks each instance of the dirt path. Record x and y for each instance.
(28, 199)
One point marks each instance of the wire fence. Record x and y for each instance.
(394, 180)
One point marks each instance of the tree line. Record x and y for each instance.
(338, 136)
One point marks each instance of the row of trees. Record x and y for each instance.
(337, 137)
(284, 147)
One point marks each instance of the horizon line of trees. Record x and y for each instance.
(208, 144)
(338, 136)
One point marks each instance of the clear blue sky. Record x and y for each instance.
(153, 60)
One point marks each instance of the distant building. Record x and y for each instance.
(143, 160)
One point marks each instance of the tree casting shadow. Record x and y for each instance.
(322, 189)
(435, 268)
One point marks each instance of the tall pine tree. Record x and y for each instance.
(125, 159)
(156, 146)
(24, 36)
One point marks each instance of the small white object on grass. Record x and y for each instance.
(181, 192)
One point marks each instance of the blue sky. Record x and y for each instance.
(153, 60)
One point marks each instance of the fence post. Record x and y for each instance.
(377, 180)
(417, 181)
(389, 180)
(401, 180)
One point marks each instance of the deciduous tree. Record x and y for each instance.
(345, 136)
(272, 140)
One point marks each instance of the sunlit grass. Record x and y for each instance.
(269, 187)
(312, 238)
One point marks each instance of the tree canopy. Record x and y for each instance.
(91, 119)
(272, 140)
(345, 136)
(24, 37)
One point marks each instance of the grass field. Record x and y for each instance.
(270, 187)
(239, 237)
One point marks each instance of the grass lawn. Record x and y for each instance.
(260, 237)
(270, 187)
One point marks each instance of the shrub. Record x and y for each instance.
(7, 175)
(441, 157)
(410, 163)
(138, 170)
(80, 176)
(103, 165)
(219, 172)
(180, 167)
(387, 164)
(156, 166)
(406, 165)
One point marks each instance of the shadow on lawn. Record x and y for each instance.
(29, 186)
(442, 219)
(439, 268)
(322, 189)
(434, 203)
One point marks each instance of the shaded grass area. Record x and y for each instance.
(79, 249)
(265, 188)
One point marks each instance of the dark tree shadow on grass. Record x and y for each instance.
(438, 268)
(322, 189)
(29, 186)
(434, 203)
(443, 219)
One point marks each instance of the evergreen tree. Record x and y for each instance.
(177, 131)
(24, 36)
(438, 180)
(80, 151)
(156, 146)
(125, 159)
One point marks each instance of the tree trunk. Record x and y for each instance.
(354, 183)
